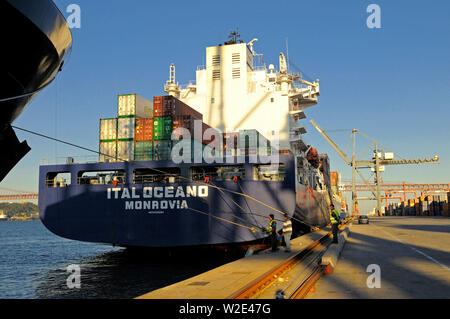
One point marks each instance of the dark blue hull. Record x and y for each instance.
(184, 213)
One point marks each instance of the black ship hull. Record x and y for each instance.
(35, 41)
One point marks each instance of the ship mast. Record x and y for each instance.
(172, 87)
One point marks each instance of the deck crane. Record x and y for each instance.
(379, 159)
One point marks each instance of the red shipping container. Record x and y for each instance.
(157, 105)
(144, 130)
(171, 106)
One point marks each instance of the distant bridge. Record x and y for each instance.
(17, 194)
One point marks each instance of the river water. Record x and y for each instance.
(34, 264)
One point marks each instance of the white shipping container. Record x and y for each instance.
(108, 148)
(134, 105)
(125, 151)
(125, 128)
(108, 129)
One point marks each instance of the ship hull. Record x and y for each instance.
(36, 40)
(181, 214)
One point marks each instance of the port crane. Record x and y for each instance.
(379, 159)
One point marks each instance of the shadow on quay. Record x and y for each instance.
(396, 264)
(429, 228)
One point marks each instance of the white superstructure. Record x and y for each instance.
(235, 90)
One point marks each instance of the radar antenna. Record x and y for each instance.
(234, 37)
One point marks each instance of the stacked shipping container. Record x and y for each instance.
(171, 106)
(334, 181)
(117, 135)
(143, 130)
(108, 139)
(431, 205)
(170, 114)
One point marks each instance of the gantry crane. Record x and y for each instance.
(379, 159)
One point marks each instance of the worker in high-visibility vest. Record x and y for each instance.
(272, 229)
(335, 219)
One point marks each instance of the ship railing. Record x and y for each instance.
(53, 182)
(102, 179)
(190, 84)
(307, 93)
(217, 173)
(156, 178)
(201, 67)
(259, 68)
(60, 160)
(207, 177)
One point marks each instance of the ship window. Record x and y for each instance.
(61, 179)
(216, 60)
(272, 99)
(236, 73)
(216, 74)
(236, 58)
(110, 177)
(218, 173)
(159, 175)
(271, 172)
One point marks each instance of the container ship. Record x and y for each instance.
(38, 41)
(204, 165)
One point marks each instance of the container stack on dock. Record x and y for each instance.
(430, 205)
(334, 181)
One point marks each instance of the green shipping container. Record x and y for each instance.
(162, 128)
(143, 151)
(162, 150)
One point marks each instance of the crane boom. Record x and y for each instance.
(330, 141)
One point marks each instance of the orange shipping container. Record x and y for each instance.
(334, 178)
(144, 130)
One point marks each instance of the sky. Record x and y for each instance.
(391, 83)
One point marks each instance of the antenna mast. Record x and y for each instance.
(287, 54)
